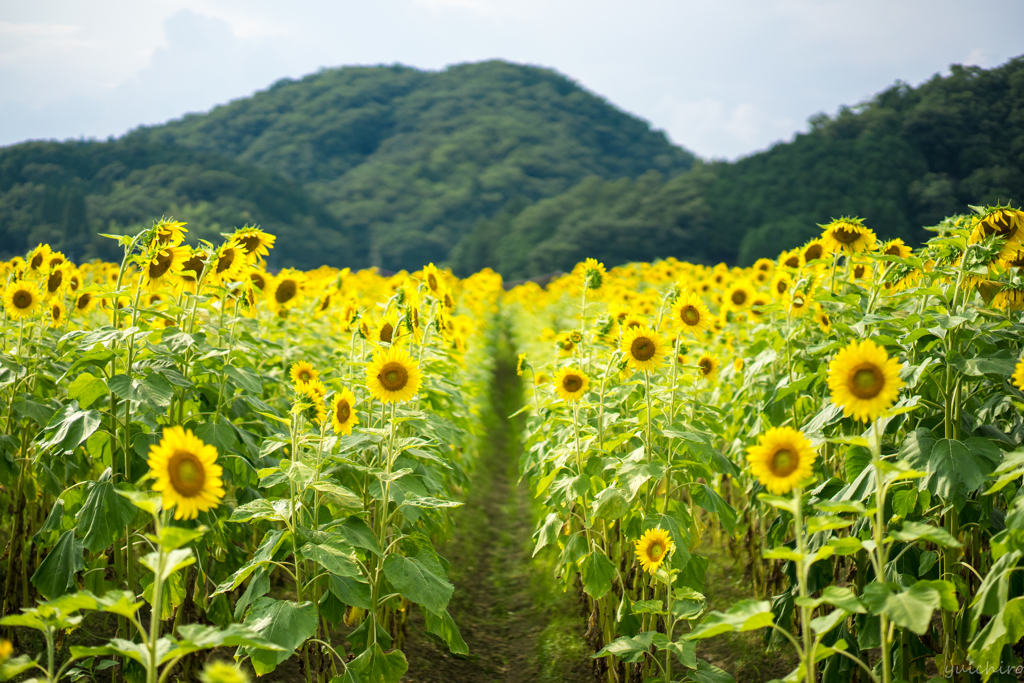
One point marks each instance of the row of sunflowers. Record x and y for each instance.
(846, 419)
(197, 453)
(213, 455)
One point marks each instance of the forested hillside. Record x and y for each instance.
(905, 159)
(514, 167)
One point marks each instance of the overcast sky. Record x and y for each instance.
(722, 78)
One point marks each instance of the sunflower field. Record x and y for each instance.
(200, 454)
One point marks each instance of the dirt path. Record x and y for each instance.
(516, 629)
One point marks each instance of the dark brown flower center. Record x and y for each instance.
(894, 250)
(258, 280)
(706, 366)
(54, 281)
(161, 264)
(55, 313)
(432, 282)
(739, 297)
(792, 262)
(690, 315)
(83, 300)
(783, 462)
(387, 332)
(813, 252)
(342, 410)
(250, 243)
(845, 236)
(866, 381)
(285, 291)
(655, 550)
(572, 383)
(36, 261)
(195, 264)
(225, 261)
(23, 299)
(997, 224)
(187, 473)
(781, 286)
(642, 349)
(393, 376)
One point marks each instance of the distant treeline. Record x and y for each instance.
(516, 168)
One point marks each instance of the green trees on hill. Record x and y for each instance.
(516, 168)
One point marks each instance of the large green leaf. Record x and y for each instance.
(104, 515)
(911, 608)
(610, 504)
(282, 622)
(55, 576)
(194, 637)
(1006, 628)
(628, 649)
(153, 390)
(334, 555)
(70, 426)
(745, 615)
(708, 498)
(597, 572)
(351, 591)
(414, 580)
(376, 666)
(954, 469)
(444, 627)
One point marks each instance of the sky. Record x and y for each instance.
(723, 79)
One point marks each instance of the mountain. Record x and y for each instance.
(904, 159)
(409, 160)
(514, 167)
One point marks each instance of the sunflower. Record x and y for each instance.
(799, 302)
(192, 269)
(571, 384)
(860, 271)
(388, 331)
(781, 284)
(790, 259)
(1002, 222)
(758, 303)
(652, 548)
(813, 251)
(708, 365)
(258, 278)
(314, 392)
(593, 274)
(392, 375)
(164, 269)
(186, 472)
(896, 247)
(739, 294)
(519, 364)
(21, 299)
(55, 279)
(643, 348)
(84, 303)
(254, 242)
(36, 259)
(343, 412)
(764, 265)
(285, 290)
(1018, 375)
(823, 319)
(630, 321)
(57, 313)
(448, 299)
(864, 380)
(432, 278)
(229, 262)
(564, 344)
(782, 459)
(848, 235)
(303, 372)
(169, 232)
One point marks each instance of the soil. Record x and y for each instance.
(504, 605)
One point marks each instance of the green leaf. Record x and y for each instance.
(597, 572)
(915, 531)
(15, 666)
(610, 504)
(218, 434)
(630, 650)
(837, 597)
(709, 673)
(1006, 628)
(87, 389)
(745, 615)
(55, 576)
(374, 666)
(285, 623)
(912, 608)
(548, 531)
(340, 495)
(335, 556)
(708, 498)
(104, 515)
(444, 627)
(358, 534)
(416, 582)
(351, 591)
(195, 637)
(70, 426)
(153, 390)
(953, 470)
